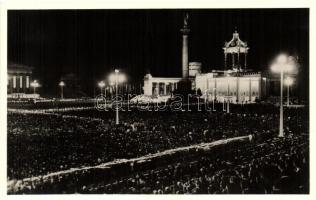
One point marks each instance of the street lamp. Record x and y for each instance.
(34, 85)
(282, 63)
(101, 85)
(288, 82)
(117, 78)
(62, 85)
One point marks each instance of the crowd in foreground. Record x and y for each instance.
(277, 166)
(42, 144)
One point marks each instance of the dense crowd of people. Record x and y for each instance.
(276, 166)
(42, 144)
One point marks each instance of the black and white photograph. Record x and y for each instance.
(158, 101)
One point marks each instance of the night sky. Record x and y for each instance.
(91, 43)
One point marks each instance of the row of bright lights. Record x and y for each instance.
(35, 84)
(115, 77)
(282, 62)
(288, 81)
(120, 78)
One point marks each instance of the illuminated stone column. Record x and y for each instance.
(185, 59)
(14, 82)
(164, 88)
(185, 52)
(157, 88)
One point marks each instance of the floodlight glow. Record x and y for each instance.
(120, 78)
(288, 81)
(283, 63)
(61, 84)
(35, 84)
(282, 59)
(112, 78)
(101, 84)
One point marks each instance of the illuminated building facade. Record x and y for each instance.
(19, 79)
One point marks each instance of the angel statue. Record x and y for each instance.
(185, 20)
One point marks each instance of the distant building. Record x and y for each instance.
(154, 86)
(19, 78)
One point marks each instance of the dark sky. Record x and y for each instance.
(91, 43)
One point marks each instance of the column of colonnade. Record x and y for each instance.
(18, 83)
(156, 87)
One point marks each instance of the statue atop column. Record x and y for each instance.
(185, 30)
(185, 20)
(185, 85)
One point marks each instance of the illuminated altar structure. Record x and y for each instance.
(236, 83)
